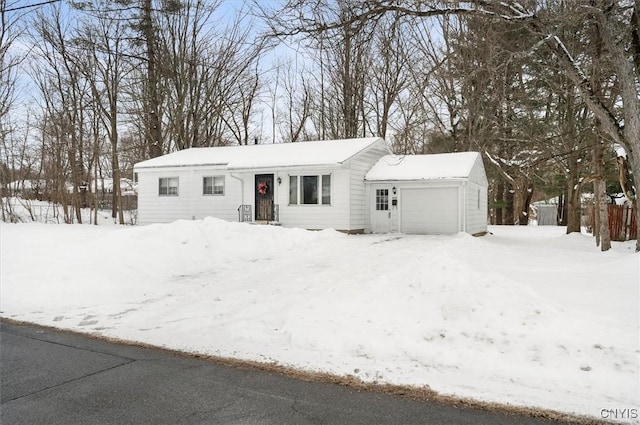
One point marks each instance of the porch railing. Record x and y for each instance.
(245, 213)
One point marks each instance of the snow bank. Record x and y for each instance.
(527, 316)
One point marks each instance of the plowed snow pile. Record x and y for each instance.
(526, 316)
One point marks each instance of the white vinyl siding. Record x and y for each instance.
(476, 219)
(476, 208)
(359, 208)
(335, 215)
(191, 204)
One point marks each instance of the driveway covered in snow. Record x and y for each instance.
(526, 316)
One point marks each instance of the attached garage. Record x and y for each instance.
(428, 194)
(429, 210)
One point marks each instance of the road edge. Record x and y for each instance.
(349, 381)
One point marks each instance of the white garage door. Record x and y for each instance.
(429, 210)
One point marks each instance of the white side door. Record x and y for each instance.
(381, 209)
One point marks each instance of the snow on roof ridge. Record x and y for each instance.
(318, 152)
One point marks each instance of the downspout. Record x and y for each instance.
(241, 207)
(241, 187)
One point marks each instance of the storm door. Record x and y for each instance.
(264, 197)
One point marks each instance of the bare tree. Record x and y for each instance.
(296, 102)
(343, 56)
(9, 31)
(100, 45)
(186, 68)
(617, 21)
(389, 72)
(65, 94)
(240, 105)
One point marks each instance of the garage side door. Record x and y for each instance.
(430, 210)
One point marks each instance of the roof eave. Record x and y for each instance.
(416, 180)
(149, 167)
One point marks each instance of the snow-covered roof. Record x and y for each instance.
(26, 184)
(279, 155)
(423, 167)
(106, 184)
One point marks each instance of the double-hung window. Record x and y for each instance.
(168, 186)
(213, 185)
(310, 190)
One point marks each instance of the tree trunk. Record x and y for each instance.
(152, 101)
(635, 169)
(561, 216)
(499, 203)
(509, 199)
(600, 199)
(525, 204)
(573, 211)
(95, 187)
(574, 205)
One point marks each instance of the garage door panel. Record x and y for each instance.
(430, 210)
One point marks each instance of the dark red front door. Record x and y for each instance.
(264, 197)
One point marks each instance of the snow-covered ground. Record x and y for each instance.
(18, 210)
(525, 316)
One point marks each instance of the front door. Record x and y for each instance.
(381, 216)
(264, 197)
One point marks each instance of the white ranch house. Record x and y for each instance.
(352, 185)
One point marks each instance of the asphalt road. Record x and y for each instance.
(50, 377)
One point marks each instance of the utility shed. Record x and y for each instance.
(428, 194)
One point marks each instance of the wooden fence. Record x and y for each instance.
(622, 223)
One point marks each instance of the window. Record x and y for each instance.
(168, 186)
(213, 185)
(382, 199)
(326, 189)
(310, 190)
(293, 190)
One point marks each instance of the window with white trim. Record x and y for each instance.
(168, 186)
(213, 185)
(310, 190)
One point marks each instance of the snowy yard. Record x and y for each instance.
(526, 316)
